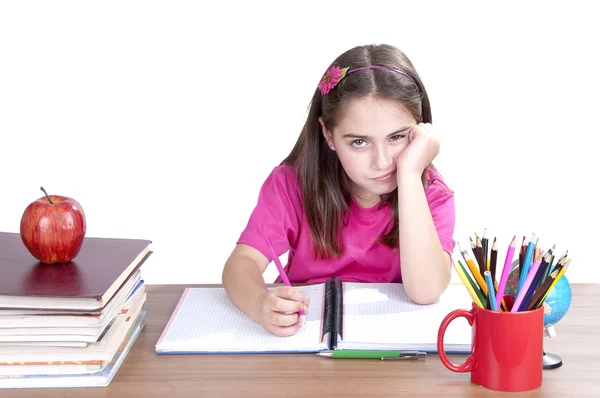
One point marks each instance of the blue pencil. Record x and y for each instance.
(526, 263)
(536, 279)
(491, 290)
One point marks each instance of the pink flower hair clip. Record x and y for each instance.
(335, 74)
(331, 78)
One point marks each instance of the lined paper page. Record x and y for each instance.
(380, 315)
(208, 321)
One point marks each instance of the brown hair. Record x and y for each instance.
(324, 183)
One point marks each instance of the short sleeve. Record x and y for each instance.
(441, 204)
(277, 214)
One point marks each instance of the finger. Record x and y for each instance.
(279, 304)
(306, 301)
(290, 293)
(421, 128)
(412, 133)
(284, 331)
(285, 320)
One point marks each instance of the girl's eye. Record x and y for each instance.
(358, 143)
(397, 137)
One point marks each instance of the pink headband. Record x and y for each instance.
(335, 74)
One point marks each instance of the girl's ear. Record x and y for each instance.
(326, 134)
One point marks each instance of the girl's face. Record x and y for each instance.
(368, 138)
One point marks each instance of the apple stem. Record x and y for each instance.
(45, 193)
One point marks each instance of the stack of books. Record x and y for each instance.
(72, 324)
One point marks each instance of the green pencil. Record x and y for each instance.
(475, 287)
(372, 354)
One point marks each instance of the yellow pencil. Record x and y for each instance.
(560, 274)
(476, 273)
(465, 282)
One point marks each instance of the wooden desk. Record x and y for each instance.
(146, 374)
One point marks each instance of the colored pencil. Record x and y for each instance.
(536, 299)
(552, 255)
(506, 270)
(471, 277)
(549, 267)
(473, 284)
(522, 250)
(539, 275)
(562, 259)
(282, 273)
(463, 278)
(460, 250)
(492, 263)
(493, 260)
(479, 255)
(559, 264)
(472, 273)
(484, 246)
(527, 283)
(491, 294)
(526, 263)
(561, 272)
(475, 272)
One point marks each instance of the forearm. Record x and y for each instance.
(425, 265)
(244, 284)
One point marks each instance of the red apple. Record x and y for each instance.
(52, 228)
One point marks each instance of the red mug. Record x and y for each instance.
(507, 347)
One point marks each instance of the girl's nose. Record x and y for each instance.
(383, 158)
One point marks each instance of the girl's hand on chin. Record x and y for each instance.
(423, 147)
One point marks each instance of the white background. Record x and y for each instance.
(163, 118)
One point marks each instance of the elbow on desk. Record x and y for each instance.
(424, 295)
(428, 291)
(423, 299)
(226, 275)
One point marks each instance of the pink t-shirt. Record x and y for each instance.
(280, 216)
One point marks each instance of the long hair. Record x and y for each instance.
(324, 184)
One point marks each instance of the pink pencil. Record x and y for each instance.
(506, 271)
(282, 273)
(527, 283)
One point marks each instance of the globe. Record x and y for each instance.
(557, 302)
(556, 305)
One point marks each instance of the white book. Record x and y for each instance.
(80, 333)
(27, 370)
(100, 378)
(45, 343)
(373, 316)
(102, 350)
(35, 318)
(31, 338)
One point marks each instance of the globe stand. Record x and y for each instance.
(549, 360)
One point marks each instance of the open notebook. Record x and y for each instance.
(342, 315)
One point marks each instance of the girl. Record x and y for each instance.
(357, 197)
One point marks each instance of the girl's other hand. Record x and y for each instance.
(422, 148)
(279, 310)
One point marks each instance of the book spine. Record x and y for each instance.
(328, 311)
(333, 311)
(338, 312)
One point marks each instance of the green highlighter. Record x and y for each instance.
(373, 354)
